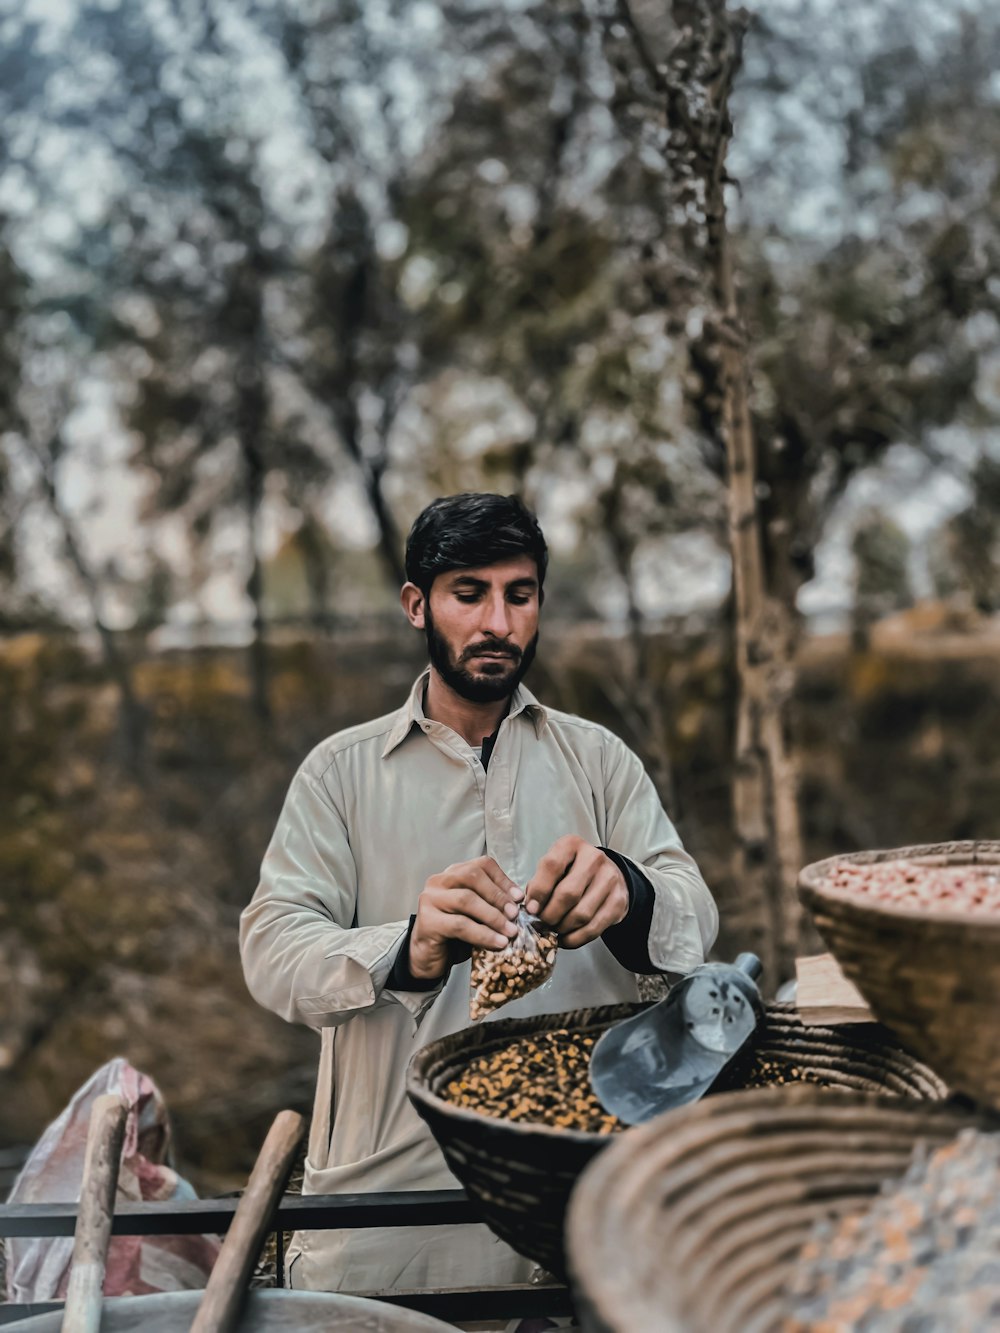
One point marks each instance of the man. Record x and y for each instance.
(406, 841)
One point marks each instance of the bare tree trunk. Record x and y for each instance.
(316, 561)
(641, 700)
(131, 713)
(674, 63)
(259, 670)
(251, 424)
(768, 838)
(390, 540)
(352, 319)
(348, 421)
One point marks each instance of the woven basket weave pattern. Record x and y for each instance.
(691, 1224)
(521, 1175)
(934, 978)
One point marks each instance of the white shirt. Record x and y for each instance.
(372, 813)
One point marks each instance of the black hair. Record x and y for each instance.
(470, 531)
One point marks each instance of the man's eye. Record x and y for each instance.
(519, 601)
(467, 596)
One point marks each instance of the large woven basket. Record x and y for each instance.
(693, 1222)
(933, 977)
(521, 1175)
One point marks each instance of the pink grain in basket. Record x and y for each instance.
(933, 888)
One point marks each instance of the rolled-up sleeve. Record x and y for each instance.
(302, 955)
(685, 919)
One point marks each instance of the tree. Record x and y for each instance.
(881, 578)
(966, 558)
(11, 300)
(867, 235)
(673, 105)
(528, 297)
(35, 396)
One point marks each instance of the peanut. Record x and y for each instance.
(911, 884)
(498, 977)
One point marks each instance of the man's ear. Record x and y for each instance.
(412, 601)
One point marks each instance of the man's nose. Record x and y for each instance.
(496, 617)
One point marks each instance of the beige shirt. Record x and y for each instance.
(372, 813)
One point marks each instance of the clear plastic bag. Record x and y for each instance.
(499, 976)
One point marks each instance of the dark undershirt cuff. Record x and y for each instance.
(628, 941)
(400, 977)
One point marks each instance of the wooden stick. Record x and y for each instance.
(105, 1135)
(220, 1306)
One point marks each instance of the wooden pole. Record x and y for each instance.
(105, 1136)
(220, 1307)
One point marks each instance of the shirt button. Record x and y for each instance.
(497, 813)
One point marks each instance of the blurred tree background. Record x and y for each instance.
(275, 273)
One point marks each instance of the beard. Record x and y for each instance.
(489, 682)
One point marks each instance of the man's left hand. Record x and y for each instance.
(577, 891)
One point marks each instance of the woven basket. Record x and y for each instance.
(692, 1223)
(933, 977)
(521, 1175)
(857, 1057)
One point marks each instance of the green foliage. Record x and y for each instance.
(966, 554)
(865, 331)
(881, 578)
(277, 334)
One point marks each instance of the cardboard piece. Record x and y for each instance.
(825, 996)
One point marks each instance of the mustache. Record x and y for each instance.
(493, 646)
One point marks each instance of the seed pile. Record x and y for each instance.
(903, 883)
(923, 1258)
(499, 976)
(541, 1079)
(772, 1071)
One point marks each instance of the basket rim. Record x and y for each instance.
(510, 1028)
(507, 1029)
(812, 885)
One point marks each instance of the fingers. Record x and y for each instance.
(486, 879)
(468, 903)
(590, 895)
(580, 913)
(576, 891)
(550, 870)
(600, 907)
(473, 902)
(569, 893)
(455, 926)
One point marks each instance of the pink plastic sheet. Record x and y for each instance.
(38, 1269)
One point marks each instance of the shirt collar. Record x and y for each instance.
(412, 713)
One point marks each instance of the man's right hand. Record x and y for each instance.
(473, 903)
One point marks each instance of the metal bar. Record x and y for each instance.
(192, 1217)
(466, 1304)
(452, 1305)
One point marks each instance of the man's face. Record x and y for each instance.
(482, 627)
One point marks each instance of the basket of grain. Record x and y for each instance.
(701, 1221)
(509, 1103)
(917, 929)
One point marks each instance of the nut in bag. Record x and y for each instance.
(499, 976)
